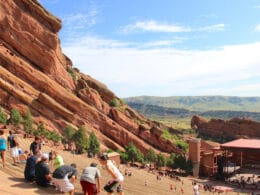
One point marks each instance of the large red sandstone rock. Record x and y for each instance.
(33, 75)
(233, 128)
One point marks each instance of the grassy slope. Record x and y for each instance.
(202, 103)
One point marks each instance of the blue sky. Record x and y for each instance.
(164, 47)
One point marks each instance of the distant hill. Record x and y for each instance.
(201, 103)
(207, 106)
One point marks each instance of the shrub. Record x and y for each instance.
(3, 117)
(133, 153)
(151, 155)
(179, 161)
(123, 157)
(28, 122)
(15, 117)
(182, 145)
(81, 140)
(94, 145)
(114, 102)
(69, 132)
(161, 160)
(53, 136)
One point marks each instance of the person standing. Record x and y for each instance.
(12, 144)
(64, 178)
(2, 146)
(196, 188)
(90, 180)
(117, 178)
(35, 146)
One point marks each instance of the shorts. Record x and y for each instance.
(111, 186)
(14, 152)
(63, 185)
(88, 187)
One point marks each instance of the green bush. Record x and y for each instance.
(69, 132)
(81, 140)
(134, 154)
(114, 103)
(15, 117)
(151, 155)
(3, 117)
(179, 161)
(28, 122)
(182, 145)
(94, 145)
(161, 160)
(123, 157)
(53, 136)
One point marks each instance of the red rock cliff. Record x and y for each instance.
(234, 128)
(35, 74)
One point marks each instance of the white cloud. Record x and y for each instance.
(153, 26)
(76, 24)
(168, 71)
(213, 28)
(257, 28)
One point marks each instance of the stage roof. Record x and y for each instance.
(243, 144)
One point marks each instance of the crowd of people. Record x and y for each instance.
(49, 169)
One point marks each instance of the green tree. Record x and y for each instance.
(133, 153)
(123, 157)
(94, 145)
(15, 117)
(150, 155)
(179, 162)
(69, 132)
(3, 117)
(170, 160)
(188, 166)
(40, 129)
(53, 136)
(81, 140)
(28, 122)
(161, 160)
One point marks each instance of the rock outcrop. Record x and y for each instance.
(36, 75)
(234, 128)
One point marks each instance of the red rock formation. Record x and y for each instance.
(234, 128)
(35, 74)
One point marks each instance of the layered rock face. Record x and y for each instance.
(234, 128)
(36, 75)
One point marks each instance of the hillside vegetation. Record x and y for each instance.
(201, 103)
